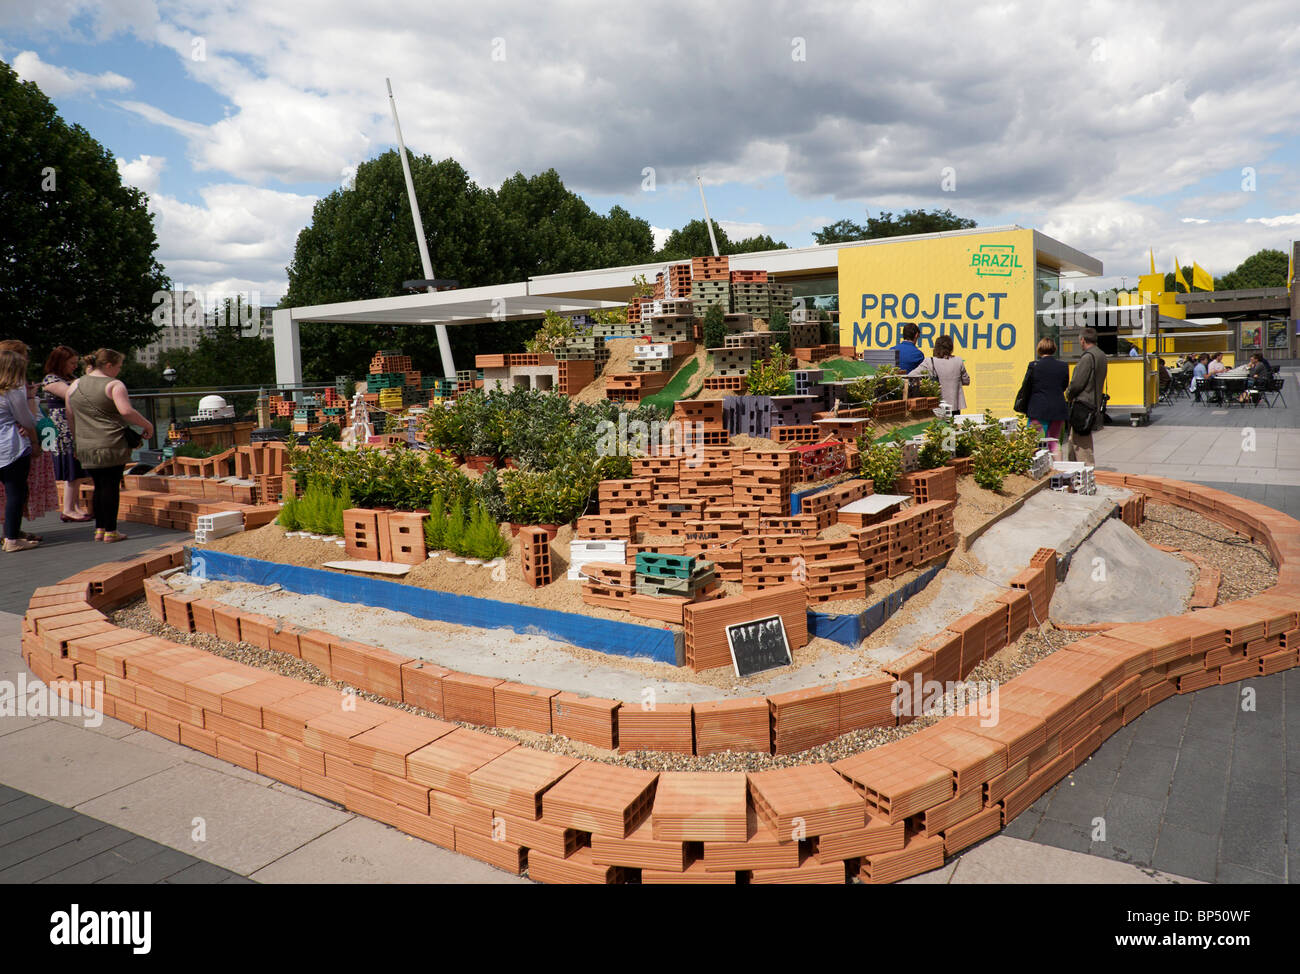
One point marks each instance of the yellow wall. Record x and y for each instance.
(1130, 382)
(977, 287)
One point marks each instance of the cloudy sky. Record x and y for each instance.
(1115, 127)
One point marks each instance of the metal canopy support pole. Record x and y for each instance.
(444, 343)
(707, 221)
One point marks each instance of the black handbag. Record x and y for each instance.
(1021, 404)
(1082, 417)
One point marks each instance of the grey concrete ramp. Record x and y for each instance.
(1046, 520)
(1115, 576)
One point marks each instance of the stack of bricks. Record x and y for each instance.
(708, 476)
(764, 481)
(389, 360)
(938, 484)
(535, 556)
(677, 281)
(873, 550)
(730, 363)
(574, 375)
(833, 570)
(709, 269)
(662, 471)
(707, 294)
(706, 622)
(625, 496)
(672, 328)
(607, 525)
(634, 386)
(825, 504)
(770, 560)
(727, 383)
(670, 515)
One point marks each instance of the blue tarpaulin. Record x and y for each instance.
(603, 635)
(850, 630)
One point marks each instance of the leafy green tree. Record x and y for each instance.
(361, 244)
(887, 225)
(692, 240)
(1267, 268)
(780, 326)
(77, 263)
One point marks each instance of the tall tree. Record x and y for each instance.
(692, 240)
(361, 244)
(1267, 268)
(887, 225)
(77, 263)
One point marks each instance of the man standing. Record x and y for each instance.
(1086, 386)
(909, 356)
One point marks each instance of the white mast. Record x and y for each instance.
(444, 344)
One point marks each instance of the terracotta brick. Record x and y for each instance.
(522, 706)
(665, 727)
(515, 782)
(693, 806)
(331, 732)
(385, 746)
(589, 719)
(447, 763)
(805, 801)
(367, 668)
(502, 854)
(600, 798)
(737, 724)
(422, 685)
(469, 698)
(804, 718)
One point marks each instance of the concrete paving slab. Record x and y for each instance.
(245, 826)
(1006, 860)
(71, 765)
(365, 851)
(161, 745)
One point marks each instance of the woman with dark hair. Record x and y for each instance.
(949, 369)
(1047, 378)
(101, 408)
(42, 491)
(60, 372)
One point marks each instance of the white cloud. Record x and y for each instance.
(1192, 219)
(240, 238)
(1290, 220)
(660, 235)
(59, 82)
(143, 172)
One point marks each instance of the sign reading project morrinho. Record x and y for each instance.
(978, 288)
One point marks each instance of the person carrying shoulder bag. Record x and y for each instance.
(1085, 398)
(101, 409)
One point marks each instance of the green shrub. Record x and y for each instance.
(989, 465)
(929, 388)
(320, 511)
(771, 377)
(435, 525)
(861, 391)
(882, 464)
(454, 537)
(484, 538)
(289, 518)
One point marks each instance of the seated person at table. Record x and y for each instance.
(1216, 365)
(1257, 378)
(1165, 377)
(1199, 373)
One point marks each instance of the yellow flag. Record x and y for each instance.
(1179, 278)
(1201, 277)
